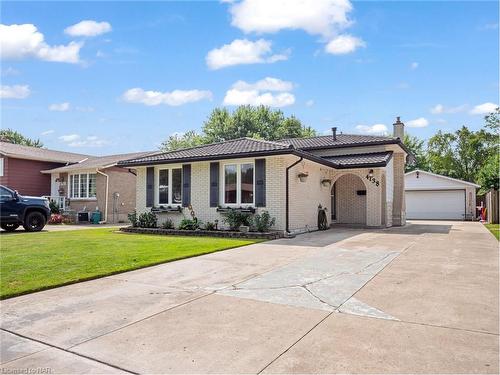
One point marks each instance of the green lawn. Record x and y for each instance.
(495, 229)
(35, 261)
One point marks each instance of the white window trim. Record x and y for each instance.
(70, 187)
(238, 184)
(170, 168)
(1, 166)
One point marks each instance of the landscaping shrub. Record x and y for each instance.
(210, 226)
(235, 219)
(54, 207)
(168, 224)
(263, 222)
(147, 220)
(189, 224)
(55, 219)
(132, 217)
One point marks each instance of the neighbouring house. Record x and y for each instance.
(21, 166)
(436, 197)
(359, 179)
(96, 183)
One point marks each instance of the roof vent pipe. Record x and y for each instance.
(334, 133)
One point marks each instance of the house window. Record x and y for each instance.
(239, 184)
(82, 185)
(1, 167)
(170, 186)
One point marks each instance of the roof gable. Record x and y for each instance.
(432, 181)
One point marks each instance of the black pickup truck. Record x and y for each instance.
(15, 210)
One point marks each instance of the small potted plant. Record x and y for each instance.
(303, 176)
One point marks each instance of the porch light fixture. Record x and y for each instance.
(370, 173)
(326, 182)
(303, 176)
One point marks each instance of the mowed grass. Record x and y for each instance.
(31, 262)
(495, 229)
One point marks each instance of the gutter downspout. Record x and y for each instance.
(287, 198)
(106, 200)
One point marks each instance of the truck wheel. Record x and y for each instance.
(34, 222)
(10, 227)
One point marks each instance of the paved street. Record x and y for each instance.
(422, 299)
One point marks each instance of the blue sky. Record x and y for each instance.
(110, 86)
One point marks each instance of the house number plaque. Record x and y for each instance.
(373, 180)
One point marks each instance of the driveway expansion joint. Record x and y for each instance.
(62, 349)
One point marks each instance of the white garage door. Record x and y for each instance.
(435, 204)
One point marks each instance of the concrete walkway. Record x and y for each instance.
(419, 299)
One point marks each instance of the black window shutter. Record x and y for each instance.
(186, 185)
(150, 181)
(214, 184)
(260, 182)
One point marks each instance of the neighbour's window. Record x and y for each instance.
(82, 185)
(1, 167)
(170, 186)
(239, 184)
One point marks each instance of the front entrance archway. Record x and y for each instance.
(349, 200)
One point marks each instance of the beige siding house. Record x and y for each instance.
(358, 179)
(96, 183)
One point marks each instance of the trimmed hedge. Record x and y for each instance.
(204, 233)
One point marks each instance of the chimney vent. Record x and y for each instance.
(334, 133)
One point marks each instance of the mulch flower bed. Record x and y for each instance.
(204, 233)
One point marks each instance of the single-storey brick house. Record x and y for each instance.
(358, 178)
(96, 182)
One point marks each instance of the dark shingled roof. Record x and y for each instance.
(248, 147)
(232, 148)
(342, 140)
(375, 159)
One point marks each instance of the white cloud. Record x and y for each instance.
(59, 107)
(76, 140)
(261, 93)
(310, 103)
(344, 44)
(10, 71)
(316, 17)
(24, 41)
(414, 65)
(14, 92)
(47, 132)
(253, 97)
(173, 98)
(266, 84)
(420, 122)
(484, 109)
(439, 109)
(243, 51)
(377, 129)
(88, 28)
(326, 18)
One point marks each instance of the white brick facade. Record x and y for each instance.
(373, 209)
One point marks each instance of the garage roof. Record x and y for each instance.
(433, 181)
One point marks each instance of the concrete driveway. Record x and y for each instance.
(419, 299)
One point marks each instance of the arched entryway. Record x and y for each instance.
(348, 200)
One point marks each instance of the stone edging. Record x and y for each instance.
(204, 233)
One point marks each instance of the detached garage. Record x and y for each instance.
(436, 197)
